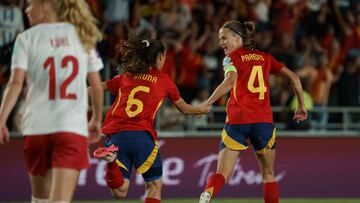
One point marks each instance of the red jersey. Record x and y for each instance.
(249, 100)
(139, 97)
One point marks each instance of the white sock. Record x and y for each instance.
(60, 202)
(36, 200)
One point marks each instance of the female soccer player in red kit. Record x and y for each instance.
(129, 123)
(56, 57)
(249, 114)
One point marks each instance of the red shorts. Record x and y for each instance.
(55, 150)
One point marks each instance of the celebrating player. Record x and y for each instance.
(55, 56)
(249, 115)
(129, 123)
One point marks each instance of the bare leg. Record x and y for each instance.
(225, 167)
(226, 162)
(267, 164)
(64, 184)
(40, 185)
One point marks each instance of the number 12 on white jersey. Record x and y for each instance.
(50, 64)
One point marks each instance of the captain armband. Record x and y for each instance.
(229, 68)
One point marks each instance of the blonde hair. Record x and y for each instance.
(78, 13)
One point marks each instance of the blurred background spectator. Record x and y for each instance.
(11, 23)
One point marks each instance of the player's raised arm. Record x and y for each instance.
(300, 114)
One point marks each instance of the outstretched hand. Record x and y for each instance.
(300, 114)
(94, 131)
(4, 135)
(204, 108)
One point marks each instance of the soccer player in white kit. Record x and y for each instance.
(55, 56)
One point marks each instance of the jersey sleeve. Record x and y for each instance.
(114, 84)
(94, 61)
(276, 66)
(20, 55)
(229, 64)
(173, 91)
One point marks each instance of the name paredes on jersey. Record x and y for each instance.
(146, 77)
(252, 57)
(59, 42)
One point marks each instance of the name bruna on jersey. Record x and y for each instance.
(147, 77)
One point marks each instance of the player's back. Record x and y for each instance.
(250, 99)
(56, 67)
(139, 97)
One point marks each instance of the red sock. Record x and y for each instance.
(114, 178)
(151, 200)
(271, 192)
(215, 183)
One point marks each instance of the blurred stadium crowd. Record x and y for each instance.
(319, 39)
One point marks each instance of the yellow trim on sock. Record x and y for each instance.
(210, 190)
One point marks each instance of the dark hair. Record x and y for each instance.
(246, 30)
(137, 55)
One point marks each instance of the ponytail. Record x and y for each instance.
(249, 41)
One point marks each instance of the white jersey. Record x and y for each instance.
(56, 66)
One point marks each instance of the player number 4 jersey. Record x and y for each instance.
(56, 66)
(249, 100)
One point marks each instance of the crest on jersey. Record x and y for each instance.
(227, 61)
